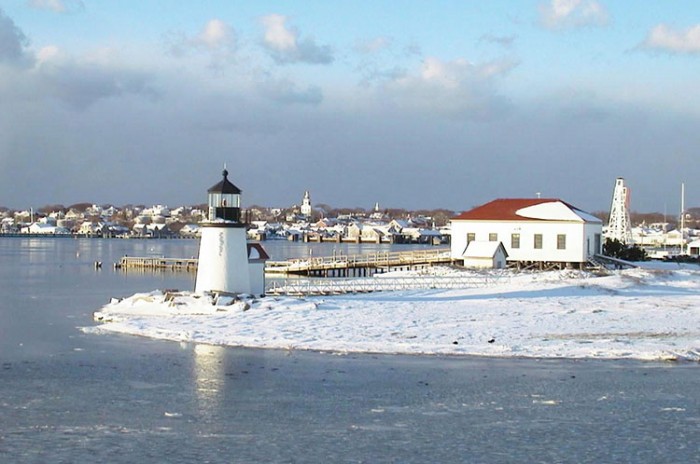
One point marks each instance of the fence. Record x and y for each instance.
(297, 287)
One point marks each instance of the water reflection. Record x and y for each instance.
(209, 375)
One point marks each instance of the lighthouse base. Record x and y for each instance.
(223, 260)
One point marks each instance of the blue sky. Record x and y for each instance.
(411, 104)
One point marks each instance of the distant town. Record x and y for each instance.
(299, 222)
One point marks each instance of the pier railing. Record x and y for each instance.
(378, 260)
(337, 265)
(302, 287)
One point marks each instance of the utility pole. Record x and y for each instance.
(682, 217)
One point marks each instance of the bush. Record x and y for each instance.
(619, 250)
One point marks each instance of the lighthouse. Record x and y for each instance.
(223, 251)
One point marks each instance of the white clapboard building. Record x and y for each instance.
(534, 231)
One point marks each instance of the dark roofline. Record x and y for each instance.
(263, 256)
(225, 186)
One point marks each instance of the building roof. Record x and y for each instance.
(256, 252)
(225, 186)
(527, 209)
(484, 249)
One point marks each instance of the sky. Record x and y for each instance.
(411, 104)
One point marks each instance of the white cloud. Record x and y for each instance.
(456, 88)
(664, 38)
(215, 37)
(57, 6)
(453, 74)
(47, 53)
(285, 46)
(216, 34)
(559, 14)
(277, 35)
(77, 82)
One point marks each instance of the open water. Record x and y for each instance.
(70, 397)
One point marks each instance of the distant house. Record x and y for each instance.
(417, 235)
(545, 232)
(74, 215)
(46, 229)
(399, 224)
(112, 229)
(7, 225)
(190, 230)
(325, 223)
(90, 228)
(488, 255)
(371, 233)
(647, 236)
(364, 232)
(159, 231)
(674, 238)
(694, 248)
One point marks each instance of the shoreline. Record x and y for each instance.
(670, 361)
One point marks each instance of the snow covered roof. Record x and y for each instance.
(534, 209)
(478, 249)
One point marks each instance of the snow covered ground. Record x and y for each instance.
(650, 314)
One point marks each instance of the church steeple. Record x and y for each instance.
(306, 204)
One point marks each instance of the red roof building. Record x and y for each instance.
(532, 230)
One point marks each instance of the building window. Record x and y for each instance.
(561, 242)
(470, 237)
(538, 241)
(493, 237)
(515, 240)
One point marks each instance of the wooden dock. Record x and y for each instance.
(359, 265)
(339, 265)
(156, 263)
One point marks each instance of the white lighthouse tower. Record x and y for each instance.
(223, 251)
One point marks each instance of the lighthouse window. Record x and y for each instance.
(214, 199)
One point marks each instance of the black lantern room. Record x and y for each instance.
(225, 201)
